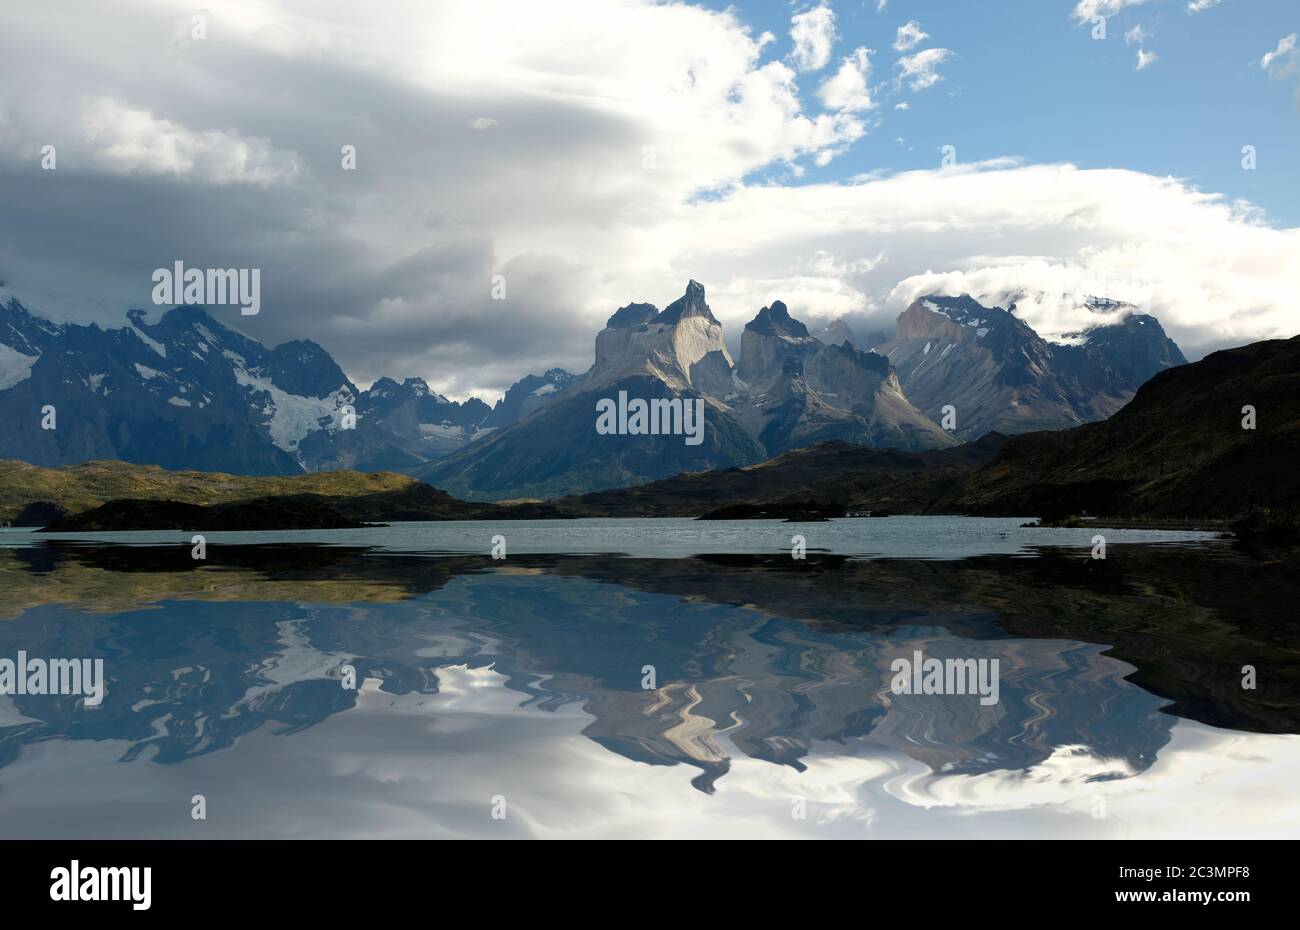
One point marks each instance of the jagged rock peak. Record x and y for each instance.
(935, 313)
(1105, 304)
(418, 387)
(689, 304)
(867, 359)
(837, 332)
(776, 321)
(631, 316)
(960, 309)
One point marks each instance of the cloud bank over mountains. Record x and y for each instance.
(587, 152)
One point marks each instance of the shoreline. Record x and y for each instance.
(1137, 523)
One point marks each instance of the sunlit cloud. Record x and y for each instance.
(813, 34)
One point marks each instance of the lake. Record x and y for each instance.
(652, 678)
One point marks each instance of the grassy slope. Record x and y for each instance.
(81, 487)
(1177, 450)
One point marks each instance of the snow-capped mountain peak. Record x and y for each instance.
(181, 389)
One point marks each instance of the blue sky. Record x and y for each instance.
(1026, 80)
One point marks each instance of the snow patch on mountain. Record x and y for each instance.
(292, 416)
(15, 367)
(154, 344)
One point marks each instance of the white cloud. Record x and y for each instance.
(1284, 57)
(130, 140)
(1146, 59)
(1212, 271)
(825, 264)
(1136, 34)
(848, 89)
(909, 36)
(921, 70)
(1086, 10)
(813, 32)
(903, 106)
(684, 81)
(1196, 6)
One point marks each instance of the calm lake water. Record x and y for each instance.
(507, 698)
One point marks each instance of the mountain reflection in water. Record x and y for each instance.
(766, 668)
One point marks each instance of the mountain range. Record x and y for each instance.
(182, 390)
(791, 389)
(186, 391)
(1216, 439)
(999, 375)
(1213, 440)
